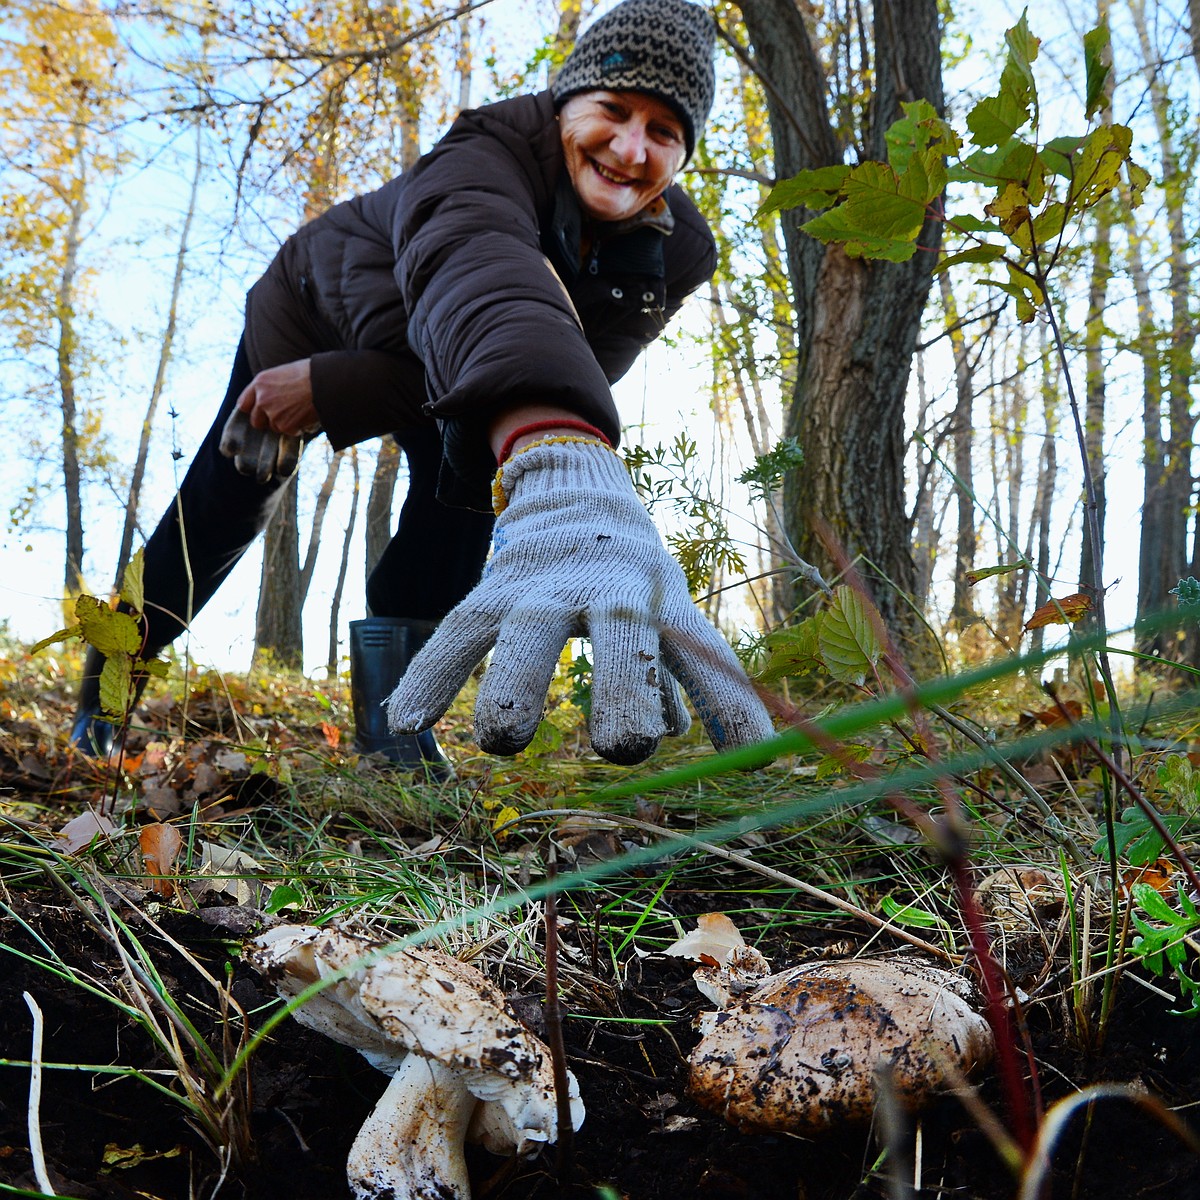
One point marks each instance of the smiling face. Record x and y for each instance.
(622, 149)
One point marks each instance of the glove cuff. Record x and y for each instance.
(595, 470)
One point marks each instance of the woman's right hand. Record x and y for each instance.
(281, 399)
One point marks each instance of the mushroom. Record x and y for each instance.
(800, 1052)
(462, 1065)
(728, 966)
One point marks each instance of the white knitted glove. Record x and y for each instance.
(259, 452)
(574, 552)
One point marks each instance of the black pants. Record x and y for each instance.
(434, 559)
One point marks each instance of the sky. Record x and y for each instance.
(667, 391)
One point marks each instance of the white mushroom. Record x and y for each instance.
(800, 1052)
(728, 966)
(462, 1064)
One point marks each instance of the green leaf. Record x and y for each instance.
(547, 739)
(995, 121)
(1096, 56)
(1022, 51)
(1058, 155)
(1098, 165)
(1139, 181)
(909, 914)
(970, 223)
(1013, 160)
(284, 895)
(974, 577)
(110, 632)
(1050, 222)
(919, 130)
(794, 651)
(977, 254)
(133, 590)
(810, 189)
(881, 215)
(116, 688)
(1136, 839)
(63, 635)
(848, 637)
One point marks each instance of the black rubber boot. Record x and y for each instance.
(380, 650)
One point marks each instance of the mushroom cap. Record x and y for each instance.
(800, 1053)
(424, 1001)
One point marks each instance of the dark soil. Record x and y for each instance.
(112, 1136)
(643, 1137)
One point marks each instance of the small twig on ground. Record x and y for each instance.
(554, 1032)
(35, 1100)
(742, 861)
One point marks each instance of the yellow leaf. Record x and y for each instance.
(504, 815)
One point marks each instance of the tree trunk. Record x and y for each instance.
(1153, 593)
(966, 540)
(318, 522)
(335, 604)
(1043, 501)
(1194, 17)
(1091, 573)
(379, 500)
(1175, 474)
(925, 537)
(64, 309)
(277, 627)
(856, 322)
(165, 349)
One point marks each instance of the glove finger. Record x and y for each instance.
(627, 721)
(268, 448)
(290, 449)
(233, 436)
(247, 465)
(438, 672)
(710, 673)
(675, 714)
(512, 695)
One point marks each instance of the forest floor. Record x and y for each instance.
(265, 770)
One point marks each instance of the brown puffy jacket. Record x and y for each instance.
(442, 293)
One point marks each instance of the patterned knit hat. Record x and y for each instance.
(661, 47)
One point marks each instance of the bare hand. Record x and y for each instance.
(280, 399)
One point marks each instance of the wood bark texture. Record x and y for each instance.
(856, 321)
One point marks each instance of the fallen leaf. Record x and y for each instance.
(333, 735)
(1066, 611)
(504, 814)
(714, 938)
(135, 1155)
(1072, 711)
(160, 848)
(79, 832)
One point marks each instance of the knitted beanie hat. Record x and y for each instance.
(661, 47)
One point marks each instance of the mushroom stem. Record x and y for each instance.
(411, 1146)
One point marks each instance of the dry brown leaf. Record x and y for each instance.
(1066, 611)
(79, 832)
(160, 848)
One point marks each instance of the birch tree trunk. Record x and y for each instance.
(1164, 557)
(962, 613)
(65, 351)
(165, 349)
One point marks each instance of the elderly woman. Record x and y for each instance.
(479, 307)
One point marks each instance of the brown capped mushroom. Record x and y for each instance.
(461, 1062)
(800, 1052)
